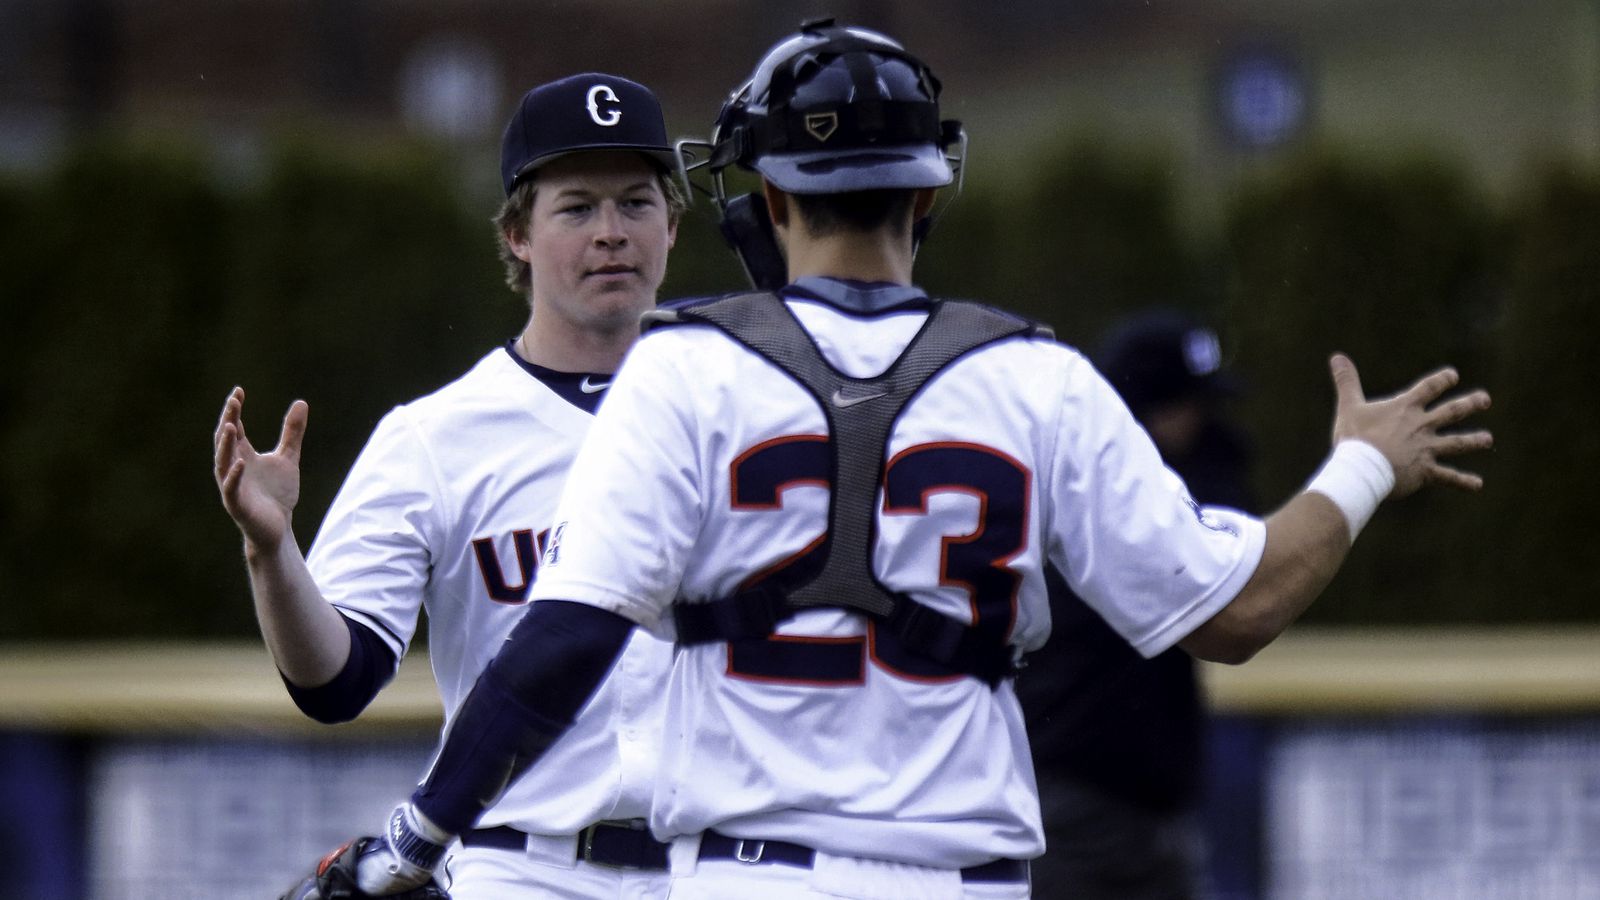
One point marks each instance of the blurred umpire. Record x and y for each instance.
(1117, 738)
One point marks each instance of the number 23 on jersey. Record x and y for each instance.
(976, 563)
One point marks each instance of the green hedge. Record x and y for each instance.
(139, 288)
(118, 263)
(1541, 534)
(145, 292)
(1384, 265)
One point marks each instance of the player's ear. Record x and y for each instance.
(777, 204)
(516, 217)
(922, 203)
(673, 218)
(517, 243)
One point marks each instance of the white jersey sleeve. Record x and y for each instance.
(636, 488)
(373, 552)
(1123, 530)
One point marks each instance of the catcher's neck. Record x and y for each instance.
(885, 253)
(860, 256)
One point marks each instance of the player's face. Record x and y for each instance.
(597, 240)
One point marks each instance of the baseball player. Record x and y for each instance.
(839, 498)
(449, 504)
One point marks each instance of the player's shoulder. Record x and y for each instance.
(1047, 353)
(680, 310)
(1040, 368)
(484, 378)
(1030, 327)
(490, 384)
(1034, 340)
(679, 303)
(671, 331)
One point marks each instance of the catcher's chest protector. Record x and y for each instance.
(860, 413)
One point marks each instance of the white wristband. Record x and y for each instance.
(1356, 477)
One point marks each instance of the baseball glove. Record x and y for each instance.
(335, 879)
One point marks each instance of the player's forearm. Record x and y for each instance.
(306, 636)
(529, 694)
(1307, 541)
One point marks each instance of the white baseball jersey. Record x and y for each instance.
(446, 508)
(706, 467)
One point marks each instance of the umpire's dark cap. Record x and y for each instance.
(1162, 355)
(592, 111)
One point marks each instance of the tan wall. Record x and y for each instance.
(231, 688)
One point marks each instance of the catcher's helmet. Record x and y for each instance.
(832, 109)
(835, 109)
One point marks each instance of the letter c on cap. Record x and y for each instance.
(612, 113)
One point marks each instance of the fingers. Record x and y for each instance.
(1431, 387)
(294, 431)
(228, 481)
(1466, 442)
(233, 417)
(223, 458)
(1458, 408)
(1450, 445)
(1452, 477)
(231, 409)
(1346, 381)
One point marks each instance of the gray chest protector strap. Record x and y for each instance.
(860, 413)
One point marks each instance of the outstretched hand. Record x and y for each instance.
(1406, 428)
(259, 490)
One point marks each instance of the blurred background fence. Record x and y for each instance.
(293, 195)
(1342, 764)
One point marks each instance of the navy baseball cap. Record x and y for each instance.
(592, 111)
(1164, 355)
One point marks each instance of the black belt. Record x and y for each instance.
(619, 845)
(714, 845)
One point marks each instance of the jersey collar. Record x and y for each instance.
(866, 298)
(582, 389)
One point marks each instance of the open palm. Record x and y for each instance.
(259, 490)
(1407, 428)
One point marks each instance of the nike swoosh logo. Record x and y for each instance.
(844, 401)
(589, 387)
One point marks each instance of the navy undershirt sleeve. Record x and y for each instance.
(369, 668)
(527, 697)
